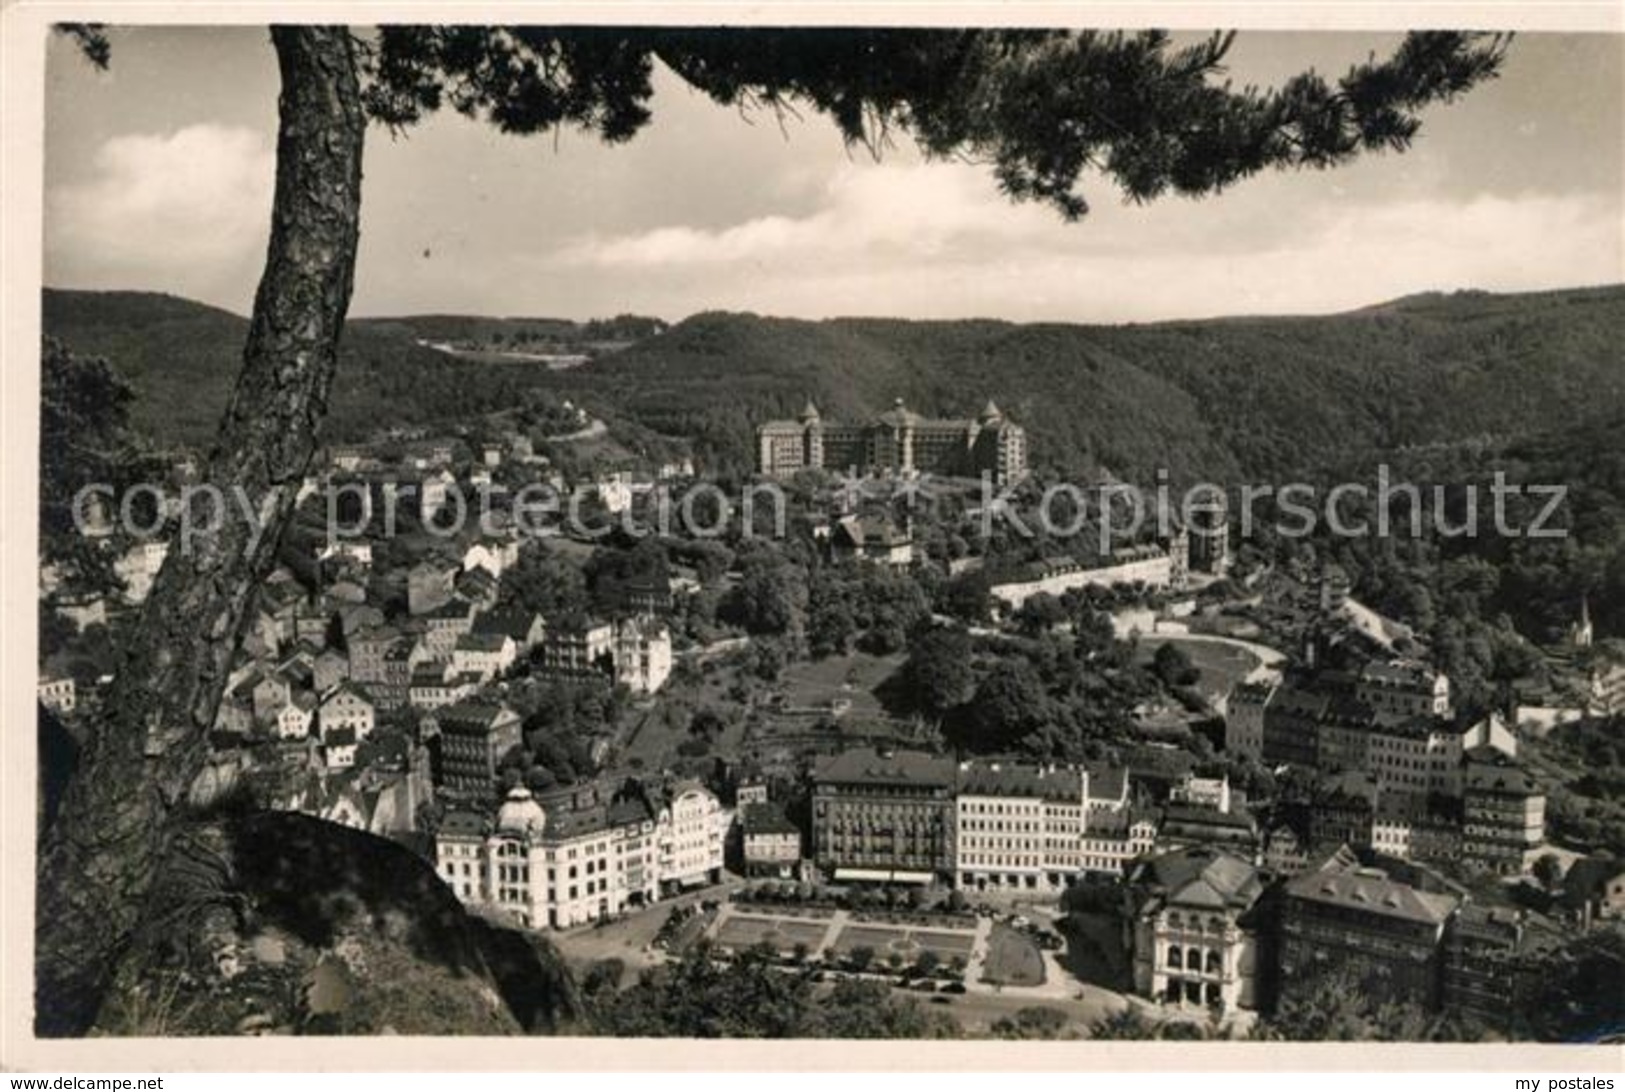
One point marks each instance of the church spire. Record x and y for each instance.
(1581, 633)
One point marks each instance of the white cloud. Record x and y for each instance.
(901, 211)
(186, 211)
(938, 240)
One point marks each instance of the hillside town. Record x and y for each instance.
(829, 751)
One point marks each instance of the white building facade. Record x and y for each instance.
(1036, 828)
(553, 867)
(692, 833)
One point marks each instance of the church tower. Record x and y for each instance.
(1580, 634)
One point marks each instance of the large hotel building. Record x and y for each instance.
(898, 441)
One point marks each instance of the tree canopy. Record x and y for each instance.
(751, 998)
(1042, 107)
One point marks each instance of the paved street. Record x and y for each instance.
(1084, 1005)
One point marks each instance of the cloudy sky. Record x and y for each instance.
(159, 175)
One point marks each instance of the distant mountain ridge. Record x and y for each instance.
(1215, 398)
(182, 358)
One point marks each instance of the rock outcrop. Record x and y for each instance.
(279, 923)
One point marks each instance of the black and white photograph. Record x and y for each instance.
(820, 527)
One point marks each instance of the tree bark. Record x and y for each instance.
(100, 856)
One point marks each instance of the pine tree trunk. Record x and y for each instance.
(99, 858)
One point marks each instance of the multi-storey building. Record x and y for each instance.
(770, 844)
(1286, 849)
(1492, 961)
(1114, 839)
(1416, 755)
(436, 685)
(1412, 756)
(571, 857)
(348, 707)
(898, 441)
(485, 655)
(57, 695)
(1342, 741)
(444, 626)
(1415, 827)
(1341, 811)
(1292, 719)
(642, 654)
(635, 651)
(884, 816)
(292, 721)
(1358, 928)
(579, 646)
(691, 828)
(527, 628)
(474, 737)
(401, 659)
(1019, 826)
(1115, 833)
(649, 595)
(1209, 534)
(1189, 925)
(367, 651)
(1182, 825)
(1244, 718)
(1397, 690)
(1504, 816)
(1323, 723)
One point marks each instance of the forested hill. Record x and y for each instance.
(1262, 397)
(182, 357)
(1265, 396)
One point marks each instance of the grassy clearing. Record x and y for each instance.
(1221, 665)
(853, 677)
